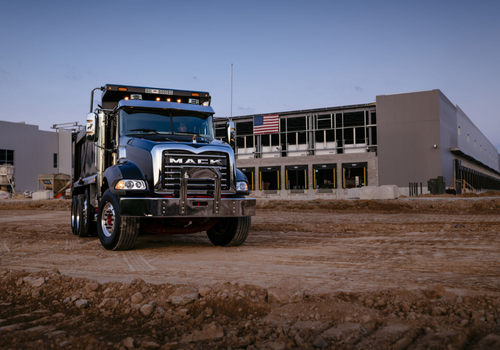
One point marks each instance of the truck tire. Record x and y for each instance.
(74, 202)
(231, 232)
(115, 232)
(87, 217)
(81, 230)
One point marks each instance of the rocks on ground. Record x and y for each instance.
(77, 313)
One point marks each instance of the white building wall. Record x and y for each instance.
(34, 152)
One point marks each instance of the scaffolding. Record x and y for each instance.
(7, 182)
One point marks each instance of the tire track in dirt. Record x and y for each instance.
(136, 262)
(4, 248)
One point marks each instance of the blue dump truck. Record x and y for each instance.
(148, 162)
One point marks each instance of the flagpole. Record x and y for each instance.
(231, 118)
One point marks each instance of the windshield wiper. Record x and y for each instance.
(146, 130)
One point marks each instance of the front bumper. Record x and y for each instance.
(190, 207)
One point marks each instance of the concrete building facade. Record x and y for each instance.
(403, 139)
(33, 152)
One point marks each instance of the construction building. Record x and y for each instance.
(32, 152)
(404, 139)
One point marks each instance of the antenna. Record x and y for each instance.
(231, 118)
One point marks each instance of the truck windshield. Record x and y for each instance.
(133, 121)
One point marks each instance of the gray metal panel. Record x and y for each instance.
(408, 127)
(448, 132)
(474, 149)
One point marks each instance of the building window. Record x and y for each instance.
(55, 160)
(349, 136)
(324, 121)
(240, 142)
(468, 139)
(6, 156)
(244, 128)
(220, 132)
(296, 124)
(360, 136)
(459, 130)
(354, 119)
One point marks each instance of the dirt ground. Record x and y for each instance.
(412, 273)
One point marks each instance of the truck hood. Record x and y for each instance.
(147, 142)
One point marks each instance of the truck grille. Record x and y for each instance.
(198, 166)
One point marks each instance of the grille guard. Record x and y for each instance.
(193, 207)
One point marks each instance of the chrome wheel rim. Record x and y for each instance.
(108, 219)
(77, 217)
(73, 217)
(84, 212)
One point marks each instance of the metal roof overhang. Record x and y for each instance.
(457, 151)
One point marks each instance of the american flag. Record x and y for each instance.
(266, 124)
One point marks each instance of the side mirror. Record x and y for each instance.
(231, 134)
(91, 128)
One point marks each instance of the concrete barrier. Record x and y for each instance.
(40, 195)
(380, 192)
(353, 193)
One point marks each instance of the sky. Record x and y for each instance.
(286, 55)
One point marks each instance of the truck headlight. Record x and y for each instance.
(130, 185)
(241, 186)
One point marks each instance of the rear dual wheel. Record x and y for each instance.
(82, 212)
(74, 215)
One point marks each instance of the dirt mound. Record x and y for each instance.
(486, 203)
(28, 204)
(47, 309)
(489, 206)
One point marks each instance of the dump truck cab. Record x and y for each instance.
(148, 161)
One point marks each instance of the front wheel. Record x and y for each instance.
(231, 232)
(115, 232)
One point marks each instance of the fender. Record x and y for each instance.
(123, 170)
(240, 176)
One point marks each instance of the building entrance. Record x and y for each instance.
(325, 176)
(269, 178)
(354, 175)
(296, 177)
